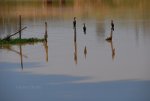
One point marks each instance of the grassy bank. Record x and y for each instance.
(20, 41)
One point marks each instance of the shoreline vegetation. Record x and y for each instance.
(21, 41)
(96, 8)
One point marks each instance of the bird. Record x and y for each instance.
(74, 22)
(112, 25)
(112, 29)
(84, 28)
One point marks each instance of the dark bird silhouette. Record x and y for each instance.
(74, 22)
(112, 25)
(84, 28)
(111, 33)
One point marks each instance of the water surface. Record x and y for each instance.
(88, 69)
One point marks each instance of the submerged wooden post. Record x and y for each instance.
(45, 36)
(20, 26)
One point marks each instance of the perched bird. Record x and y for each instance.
(111, 34)
(74, 22)
(84, 28)
(112, 25)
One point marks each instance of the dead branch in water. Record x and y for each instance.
(9, 36)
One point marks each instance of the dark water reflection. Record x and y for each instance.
(19, 51)
(75, 53)
(72, 65)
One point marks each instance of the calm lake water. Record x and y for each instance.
(90, 69)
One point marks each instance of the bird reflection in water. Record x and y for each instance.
(85, 51)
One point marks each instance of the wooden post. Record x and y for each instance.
(20, 26)
(45, 26)
(45, 36)
(75, 35)
(111, 33)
